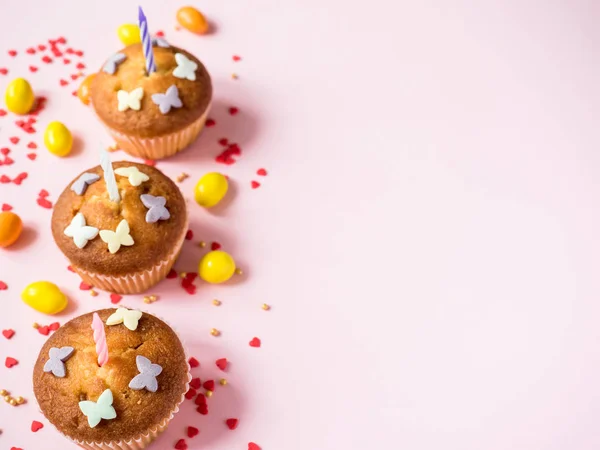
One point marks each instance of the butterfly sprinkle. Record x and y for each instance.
(56, 363)
(128, 317)
(110, 66)
(80, 231)
(186, 68)
(147, 376)
(130, 100)
(115, 239)
(156, 208)
(133, 174)
(80, 185)
(101, 409)
(168, 100)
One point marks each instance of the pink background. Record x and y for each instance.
(427, 234)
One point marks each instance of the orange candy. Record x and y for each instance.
(10, 228)
(191, 19)
(83, 92)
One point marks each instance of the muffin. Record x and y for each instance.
(124, 246)
(130, 399)
(152, 116)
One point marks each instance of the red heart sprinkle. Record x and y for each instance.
(43, 193)
(232, 423)
(115, 298)
(237, 58)
(54, 326)
(223, 141)
(261, 172)
(47, 59)
(195, 383)
(172, 274)
(6, 207)
(181, 445)
(80, 65)
(5, 179)
(63, 82)
(215, 246)
(254, 184)
(3, 286)
(32, 145)
(67, 61)
(79, 53)
(192, 431)
(210, 123)
(189, 235)
(10, 362)
(16, 448)
(190, 289)
(253, 446)
(150, 162)
(5, 150)
(200, 399)
(57, 53)
(41, 47)
(14, 140)
(190, 276)
(190, 394)
(35, 425)
(70, 269)
(61, 40)
(202, 409)
(255, 342)
(8, 333)
(70, 51)
(7, 161)
(3, 71)
(44, 203)
(209, 385)
(84, 286)
(74, 93)
(32, 156)
(33, 69)
(30, 50)
(74, 76)
(12, 52)
(233, 110)
(160, 33)
(44, 330)
(2, 112)
(193, 362)
(22, 176)
(221, 363)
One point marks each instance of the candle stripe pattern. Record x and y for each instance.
(146, 42)
(100, 339)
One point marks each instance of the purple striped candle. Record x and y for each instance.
(146, 42)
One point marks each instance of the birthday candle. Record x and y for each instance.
(146, 42)
(100, 339)
(109, 176)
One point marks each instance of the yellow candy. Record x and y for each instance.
(216, 267)
(129, 34)
(19, 97)
(210, 189)
(44, 297)
(58, 139)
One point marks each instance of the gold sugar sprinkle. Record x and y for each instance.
(266, 307)
(215, 332)
(36, 325)
(12, 402)
(216, 302)
(93, 293)
(114, 147)
(183, 274)
(20, 400)
(182, 176)
(208, 393)
(3, 392)
(222, 381)
(202, 244)
(234, 76)
(146, 300)
(7, 398)
(239, 271)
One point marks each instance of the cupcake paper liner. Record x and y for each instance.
(161, 146)
(145, 438)
(137, 282)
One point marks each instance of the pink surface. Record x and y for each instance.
(427, 233)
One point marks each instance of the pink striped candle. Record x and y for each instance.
(100, 339)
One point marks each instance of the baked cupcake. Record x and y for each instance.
(114, 386)
(123, 245)
(152, 116)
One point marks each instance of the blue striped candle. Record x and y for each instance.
(146, 42)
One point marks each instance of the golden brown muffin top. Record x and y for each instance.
(153, 242)
(149, 122)
(137, 410)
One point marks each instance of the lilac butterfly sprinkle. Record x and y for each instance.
(160, 42)
(111, 63)
(156, 205)
(56, 363)
(147, 376)
(81, 184)
(167, 100)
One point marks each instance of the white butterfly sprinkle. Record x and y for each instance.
(116, 238)
(133, 174)
(130, 99)
(128, 317)
(102, 409)
(80, 232)
(186, 68)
